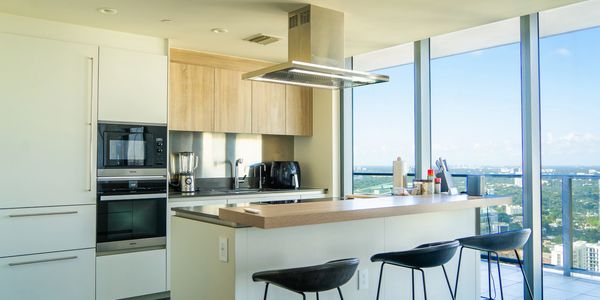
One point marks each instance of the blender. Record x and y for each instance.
(188, 162)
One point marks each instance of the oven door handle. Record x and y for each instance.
(132, 197)
(130, 178)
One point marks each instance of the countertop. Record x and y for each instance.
(241, 192)
(210, 213)
(316, 212)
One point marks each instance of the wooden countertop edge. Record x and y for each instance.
(329, 216)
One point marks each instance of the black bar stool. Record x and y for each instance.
(493, 243)
(424, 256)
(312, 279)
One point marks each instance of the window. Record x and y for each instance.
(383, 118)
(569, 72)
(476, 113)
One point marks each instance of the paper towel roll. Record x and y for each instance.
(400, 171)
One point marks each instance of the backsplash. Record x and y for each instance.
(217, 151)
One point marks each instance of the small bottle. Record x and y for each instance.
(430, 175)
(438, 185)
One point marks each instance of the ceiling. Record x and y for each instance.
(369, 25)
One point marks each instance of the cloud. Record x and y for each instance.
(563, 52)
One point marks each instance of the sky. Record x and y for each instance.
(476, 118)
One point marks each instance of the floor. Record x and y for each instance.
(556, 286)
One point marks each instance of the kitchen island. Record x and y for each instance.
(217, 248)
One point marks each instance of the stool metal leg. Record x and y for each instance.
(499, 276)
(448, 282)
(317, 295)
(303, 295)
(523, 272)
(266, 290)
(489, 276)
(424, 288)
(340, 292)
(413, 283)
(458, 273)
(379, 284)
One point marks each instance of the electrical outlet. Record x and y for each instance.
(363, 279)
(223, 251)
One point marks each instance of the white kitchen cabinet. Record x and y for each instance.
(132, 86)
(131, 274)
(47, 229)
(184, 202)
(62, 275)
(48, 92)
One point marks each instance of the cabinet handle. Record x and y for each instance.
(40, 261)
(91, 141)
(44, 214)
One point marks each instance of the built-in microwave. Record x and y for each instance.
(132, 150)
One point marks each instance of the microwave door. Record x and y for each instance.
(127, 149)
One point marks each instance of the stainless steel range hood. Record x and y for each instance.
(315, 53)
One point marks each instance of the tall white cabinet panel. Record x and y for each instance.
(131, 274)
(66, 275)
(132, 86)
(47, 229)
(48, 92)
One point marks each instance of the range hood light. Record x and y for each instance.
(351, 78)
(321, 74)
(320, 86)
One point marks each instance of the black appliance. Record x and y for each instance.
(132, 150)
(131, 213)
(282, 175)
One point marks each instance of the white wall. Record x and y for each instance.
(319, 155)
(81, 34)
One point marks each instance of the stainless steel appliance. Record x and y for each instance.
(315, 53)
(188, 162)
(476, 185)
(131, 213)
(132, 150)
(282, 175)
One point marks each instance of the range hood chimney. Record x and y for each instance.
(315, 53)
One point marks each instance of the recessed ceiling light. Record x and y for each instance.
(107, 11)
(166, 20)
(219, 30)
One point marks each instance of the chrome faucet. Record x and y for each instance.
(236, 179)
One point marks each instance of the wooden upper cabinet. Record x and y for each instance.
(299, 111)
(268, 108)
(192, 101)
(208, 94)
(233, 102)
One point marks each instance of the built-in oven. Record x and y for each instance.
(131, 213)
(131, 150)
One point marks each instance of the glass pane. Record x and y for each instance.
(569, 72)
(586, 224)
(552, 221)
(383, 128)
(476, 117)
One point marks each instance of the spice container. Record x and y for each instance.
(417, 187)
(438, 185)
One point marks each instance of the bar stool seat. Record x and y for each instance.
(504, 241)
(493, 243)
(311, 279)
(423, 256)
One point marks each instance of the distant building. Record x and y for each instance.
(518, 182)
(585, 255)
(514, 210)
